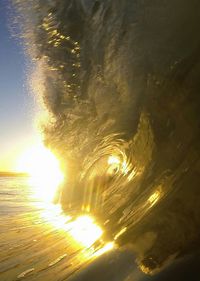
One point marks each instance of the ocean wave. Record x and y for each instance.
(120, 80)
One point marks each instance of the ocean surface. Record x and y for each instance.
(120, 81)
(39, 242)
(33, 244)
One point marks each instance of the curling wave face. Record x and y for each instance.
(120, 80)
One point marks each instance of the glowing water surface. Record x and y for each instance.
(37, 240)
(45, 177)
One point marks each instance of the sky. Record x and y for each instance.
(17, 104)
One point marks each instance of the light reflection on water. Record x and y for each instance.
(82, 229)
(37, 241)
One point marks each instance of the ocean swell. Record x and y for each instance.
(121, 79)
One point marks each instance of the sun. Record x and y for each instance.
(44, 170)
(45, 177)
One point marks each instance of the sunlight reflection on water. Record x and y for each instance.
(38, 240)
(83, 229)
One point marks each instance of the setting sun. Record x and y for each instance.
(44, 170)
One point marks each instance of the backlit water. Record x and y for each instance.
(33, 245)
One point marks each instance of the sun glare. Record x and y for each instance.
(85, 231)
(45, 176)
(44, 170)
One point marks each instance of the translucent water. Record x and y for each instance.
(32, 246)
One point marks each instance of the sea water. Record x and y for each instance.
(32, 246)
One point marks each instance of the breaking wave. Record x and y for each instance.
(120, 80)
